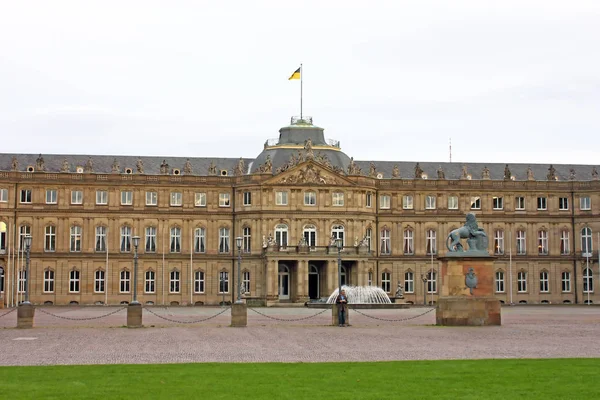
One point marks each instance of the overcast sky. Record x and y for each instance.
(508, 81)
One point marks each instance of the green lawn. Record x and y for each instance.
(471, 379)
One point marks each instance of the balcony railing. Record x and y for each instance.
(316, 250)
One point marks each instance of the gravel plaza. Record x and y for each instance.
(291, 335)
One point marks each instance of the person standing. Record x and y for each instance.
(342, 304)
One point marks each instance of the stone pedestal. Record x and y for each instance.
(335, 321)
(134, 316)
(468, 311)
(454, 270)
(239, 315)
(25, 314)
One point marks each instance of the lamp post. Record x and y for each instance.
(424, 279)
(136, 242)
(222, 287)
(238, 242)
(27, 243)
(339, 243)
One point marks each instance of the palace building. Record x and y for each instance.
(288, 205)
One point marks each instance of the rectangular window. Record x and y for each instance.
(51, 196)
(431, 282)
(76, 197)
(247, 240)
(281, 198)
(409, 246)
(384, 201)
(26, 196)
(48, 281)
(369, 199)
(247, 198)
(149, 282)
(452, 202)
(430, 202)
(223, 240)
(370, 279)
(310, 198)
(3, 195)
(563, 203)
(475, 203)
(199, 240)
(150, 242)
(99, 281)
(565, 247)
(566, 281)
(521, 245)
(125, 239)
(223, 282)
(542, 243)
(522, 282)
(407, 202)
(519, 203)
(409, 282)
(24, 230)
(50, 238)
(151, 198)
(585, 203)
(124, 281)
(75, 239)
(338, 199)
(100, 238)
(176, 199)
(223, 199)
(126, 198)
(499, 282)
(101, 197)
(431, 242)
(542, 203)
(175, 240)
(497, 203)
(499, 242)
(74, 281)
(22, 281)
(174, 283)
(386, 282)
(199, 282)
(246, 282)
(544, 284)
(385, 242)
(200, 199)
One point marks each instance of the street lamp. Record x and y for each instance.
(424, 279)
(136, 242)
(339, 243)
(238, 242)
(27, 243)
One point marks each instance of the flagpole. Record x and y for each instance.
(301, 76)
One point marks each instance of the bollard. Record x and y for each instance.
(239, 315)
(25, 314)
(335, 321)
(134, 315)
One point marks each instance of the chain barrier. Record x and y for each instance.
(81, 319)
(186, 322)
(289, 319)
(6, 313)
(393, 320)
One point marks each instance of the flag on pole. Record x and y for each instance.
(295, 75)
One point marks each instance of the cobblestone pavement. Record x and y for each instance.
(527, 332)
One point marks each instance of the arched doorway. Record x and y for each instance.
(313, 282)
(284, 282)
(344, 276)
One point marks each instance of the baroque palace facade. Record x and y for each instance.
(288, 206)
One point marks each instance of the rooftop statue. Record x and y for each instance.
(418, 172)
(476, 239)
(187, 167)
(485, 174)
(396, 172)
(139, 165)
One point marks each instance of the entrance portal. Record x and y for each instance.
(313, 282)
(284, 282)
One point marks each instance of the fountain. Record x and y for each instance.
(361, 297)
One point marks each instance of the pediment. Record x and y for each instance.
(309, 173)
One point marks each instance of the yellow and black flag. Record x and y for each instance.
(296, 74)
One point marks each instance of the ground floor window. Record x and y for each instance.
(386, 282)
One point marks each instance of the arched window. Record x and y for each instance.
(75, 239)
(521, 244)
(586, 242)
(281, 235)
(337, 232)
(149, 281)
(409, 282)
(50, 238)
(542, 242)
(74, 281)
(310, 235)
(174, 282)
(565, 248)
(409, 242)
(100, 239)
(2, 235)
(522, 282)
(125, 239)
(431, 242)
(199, 282)
(175, 239)
(588, 281)
(500, 282)
(124, 281)
(224, 240)
(48, 281)
(247, 239)
(150, 239)
(385, 242)
(24, 230)
(99, 281)
(498, 241)
(199, 240)
(544, 282)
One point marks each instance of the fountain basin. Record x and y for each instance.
(361, 306)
